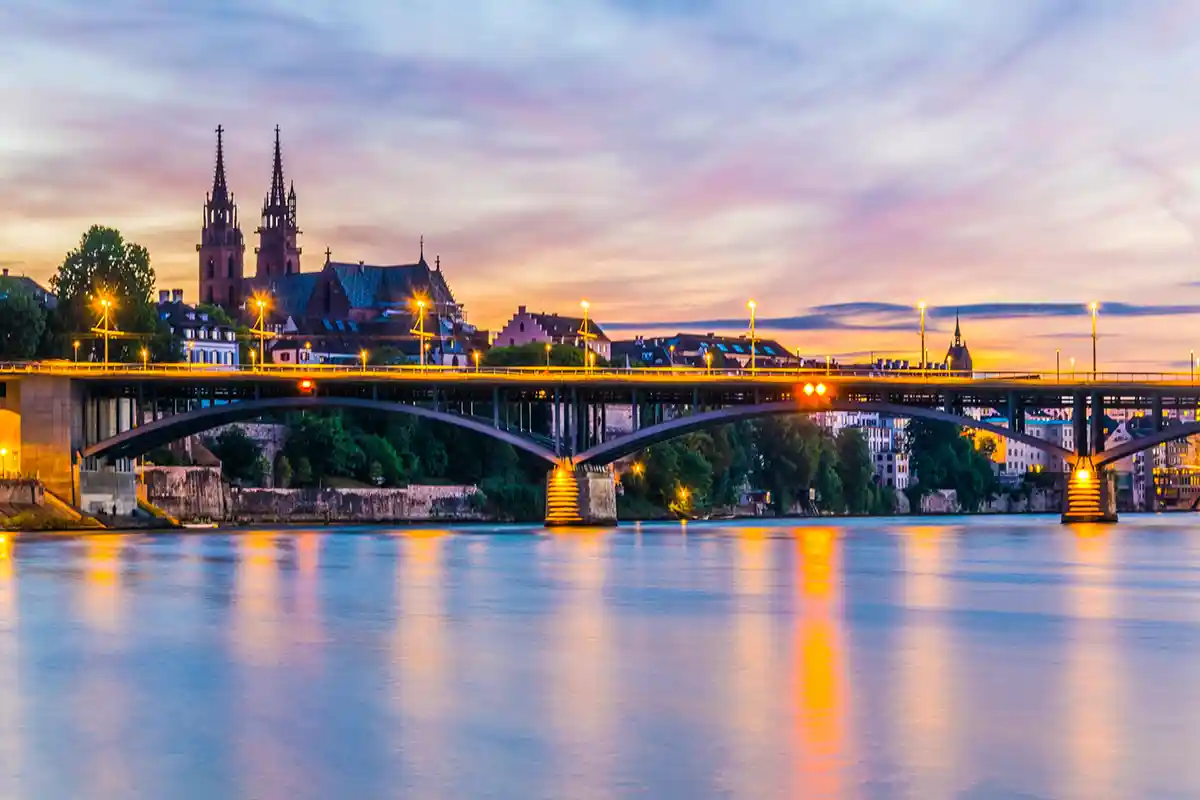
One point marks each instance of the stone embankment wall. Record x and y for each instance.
(194, 493)
(107, 492)
(597, 495)
(188, 493)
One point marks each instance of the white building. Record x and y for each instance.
(204, 340)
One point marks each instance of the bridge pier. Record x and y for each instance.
(580, 495)
(1091, 494)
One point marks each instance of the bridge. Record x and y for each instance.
(86, 415)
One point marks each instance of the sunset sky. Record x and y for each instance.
(836, 160)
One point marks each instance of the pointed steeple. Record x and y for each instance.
(276, 196)
(957, 329)
(220, 190)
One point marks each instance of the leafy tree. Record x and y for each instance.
(241, 456)
(826, 480)
(283, 472)
(22, 322)
(383, 465)
(941, 457)
(104, 264)
(324, 441)
(789, 454)
(855, 470)
(534, 355)
(304, 472)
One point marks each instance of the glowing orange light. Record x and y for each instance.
(306, 385)
(1083, 476)
(808, 389)
(820, 388)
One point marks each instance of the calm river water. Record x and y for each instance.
(979, 658)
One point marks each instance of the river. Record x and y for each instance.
(985, 657)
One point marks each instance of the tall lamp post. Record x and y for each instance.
(1192, 367)
(549, 347)
(261, 304)
(75, 345)
(753, 306)
(421, 328)
(106, 306)
(585, 332)
(1057, 365)
(921, 307)
(1095, 307)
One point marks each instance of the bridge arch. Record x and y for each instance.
(1167, 434)
(163, 431)
(610, 451)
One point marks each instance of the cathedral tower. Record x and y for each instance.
(278, 254)
(221, 249)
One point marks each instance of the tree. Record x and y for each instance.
(941, 457)
(382, 464)
(323, 440)
(534, 355)
(283, 472)
(22, 322)
(104, 264)
(304, 472)
(789, 454)
(855, 470)
(241, 457)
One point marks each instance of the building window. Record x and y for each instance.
(229, 273)
(522, 327)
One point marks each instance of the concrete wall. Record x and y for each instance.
(48, 429)
(354, 505)
(597, 495)
(107, 492)
(188, 493)
(21, 492)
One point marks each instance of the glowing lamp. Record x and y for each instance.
(306, 385)
(821, 389)
(809, 389)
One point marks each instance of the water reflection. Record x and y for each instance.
(820, 692)
(421, 665)
(11, 760)
(1092, 691)
(925, 712)
(581, 692)
(101, 595)
(779, 661)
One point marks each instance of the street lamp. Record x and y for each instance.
(362, 354)
(753, 306)
(145, 359)
(921, 306)
(1192, 362)
(585, 330)
(708, 360)
(421, 328)
(1057, 365)
(1072, 369)
(106, 306)
(475, 355)
(549, 347)
(75, 345)
(308, 352)
(190, 354)
(253, 360)
(261, 303)
(1095, 307)
(671, 355)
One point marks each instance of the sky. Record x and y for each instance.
(835, 160)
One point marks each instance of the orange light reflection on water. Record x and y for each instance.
(820, 692)
(925, 689)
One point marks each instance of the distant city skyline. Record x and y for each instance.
(666, 159)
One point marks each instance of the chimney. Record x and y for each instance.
(177, 295)
(6, 272)
(164, 296)
(520, 309)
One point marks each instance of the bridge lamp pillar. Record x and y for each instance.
(1090, 494)
(75, 346)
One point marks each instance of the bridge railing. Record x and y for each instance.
(765, 374)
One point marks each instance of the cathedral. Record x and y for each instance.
(354, 303)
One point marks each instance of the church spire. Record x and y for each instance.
(957, 329)
(220, 190)
(277, 197)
